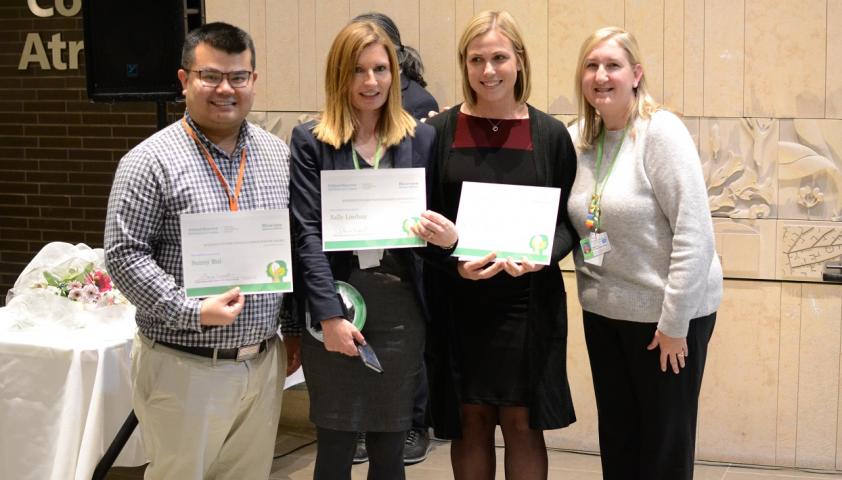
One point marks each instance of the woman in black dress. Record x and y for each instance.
(362, 126)
(498, 339)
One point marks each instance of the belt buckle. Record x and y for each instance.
(248, 352)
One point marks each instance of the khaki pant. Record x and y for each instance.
(202, 420)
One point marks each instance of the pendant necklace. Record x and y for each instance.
(494, 126)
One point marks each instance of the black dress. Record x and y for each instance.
(492, 314)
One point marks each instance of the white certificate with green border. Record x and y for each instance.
(372, 209)
(511, 220)
(249, 249)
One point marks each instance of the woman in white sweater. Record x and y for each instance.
(649, 279)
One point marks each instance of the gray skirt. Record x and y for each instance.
(345, 394)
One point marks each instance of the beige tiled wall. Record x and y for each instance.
(760, 85)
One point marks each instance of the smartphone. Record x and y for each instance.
(369, 358)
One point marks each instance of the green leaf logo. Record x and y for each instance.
(277, 270)
(409, 223)
(538, 243)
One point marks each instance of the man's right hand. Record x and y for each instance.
(222, 309)
(340, 336)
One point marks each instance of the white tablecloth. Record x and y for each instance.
(63, 396)
(65, 389)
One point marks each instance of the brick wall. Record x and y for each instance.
(58, 151)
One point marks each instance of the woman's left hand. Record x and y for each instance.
(435, 228)
(517, 269)
(673, 350)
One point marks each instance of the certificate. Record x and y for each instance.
(372, 209)
(511, 220)
(249, 249)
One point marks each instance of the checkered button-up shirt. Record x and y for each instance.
(156, 182)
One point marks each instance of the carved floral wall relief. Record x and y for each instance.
(809, 173)
(738, 160)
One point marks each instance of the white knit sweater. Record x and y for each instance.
(662, 266)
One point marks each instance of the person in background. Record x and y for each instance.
(419, 103)
(363, 126)
(498, 339)
(650, 301)
(207, 375)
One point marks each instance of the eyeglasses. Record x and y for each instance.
(212, 78)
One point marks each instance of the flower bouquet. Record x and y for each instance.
(91, 285)
(65, 286)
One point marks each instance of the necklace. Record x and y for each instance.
(494, 126)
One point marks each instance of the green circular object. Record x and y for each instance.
(354, 306)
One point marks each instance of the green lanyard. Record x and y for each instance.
(592, 219)
(377, 155)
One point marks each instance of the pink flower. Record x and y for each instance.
(75, 294)
(74, 284)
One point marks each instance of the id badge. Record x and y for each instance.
(599, 243)
(594, 247)
(369, 258)
(587, 252)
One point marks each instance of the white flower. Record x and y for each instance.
(810, 198)
(90, 293)
(74, 284)
(53, 290)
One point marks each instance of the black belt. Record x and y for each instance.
(246, 352)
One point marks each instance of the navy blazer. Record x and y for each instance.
(315, 270)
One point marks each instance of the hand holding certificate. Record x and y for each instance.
(249, 249)
(510, 220)
(372, 209)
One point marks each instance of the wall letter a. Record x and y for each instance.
(33, 51)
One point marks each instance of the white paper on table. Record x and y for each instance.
(512, 220)
(372, 209)
(249, 249)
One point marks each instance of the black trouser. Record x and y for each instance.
(422, 396)
(336, 453)
(647, 418)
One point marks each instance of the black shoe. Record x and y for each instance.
(417, 446)
(361, 453)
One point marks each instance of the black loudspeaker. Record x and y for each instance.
(133, 49)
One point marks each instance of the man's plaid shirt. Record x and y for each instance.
(157, 181)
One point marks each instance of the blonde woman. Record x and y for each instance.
(649, 300)
(497, 349)
(362, 126)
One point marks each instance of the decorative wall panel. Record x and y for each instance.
(738, 160)
(810, 169)
(805, 247)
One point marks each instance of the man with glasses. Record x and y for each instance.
(207, 373)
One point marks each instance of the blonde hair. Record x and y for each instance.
(643, 106)
(339, 122)
(503, 22)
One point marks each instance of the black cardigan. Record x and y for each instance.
(549, 401)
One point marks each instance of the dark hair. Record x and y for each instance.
(221, 36)
(408, 58)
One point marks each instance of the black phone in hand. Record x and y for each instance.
(369, 358)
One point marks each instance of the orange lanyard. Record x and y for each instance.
(233, 202)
